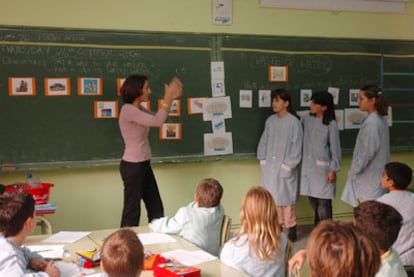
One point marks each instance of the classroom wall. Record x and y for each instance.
(91, 198)
(196, 16)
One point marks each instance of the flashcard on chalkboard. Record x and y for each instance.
(218, 144)
(217, 107)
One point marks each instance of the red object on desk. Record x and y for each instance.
(40, 194)
(173, 269)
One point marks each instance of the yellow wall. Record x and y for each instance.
(91, 198)
(196, 16)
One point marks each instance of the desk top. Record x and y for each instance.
(95, 239)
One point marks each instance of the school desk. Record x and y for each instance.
(95, 239)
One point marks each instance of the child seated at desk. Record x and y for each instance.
(122, 254)
(259, 247)
(200, 222)
(382, 223)
(379, 222)
(17, 221)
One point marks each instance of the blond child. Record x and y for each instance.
(258, 249)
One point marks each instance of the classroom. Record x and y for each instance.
(88, 194)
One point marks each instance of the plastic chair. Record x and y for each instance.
(225, 230)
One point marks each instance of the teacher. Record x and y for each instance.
(135, 167)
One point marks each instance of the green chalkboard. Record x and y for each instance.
(40, 128)
(49, 128)
(316, 63)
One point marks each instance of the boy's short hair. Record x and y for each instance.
(209, 193)
(378, 221)
(122, 254)
(340, 249)
(15, 208)
(400, 173)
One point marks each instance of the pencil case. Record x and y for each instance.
(173, 269)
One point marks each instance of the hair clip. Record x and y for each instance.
(379, 92)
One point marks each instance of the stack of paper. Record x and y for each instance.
(189, 258)
(66, 237)
(50, 251)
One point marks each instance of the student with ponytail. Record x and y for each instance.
(372, 149)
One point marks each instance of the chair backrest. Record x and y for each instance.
(225, 229)
(288, 255)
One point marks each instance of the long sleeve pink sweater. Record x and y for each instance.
(134, 124)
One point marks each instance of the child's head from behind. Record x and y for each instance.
(258, 210)
(122, 254)
(15, 208)
(400, 174)
(337, 249)
(323, 101)
(378, 221)
(209, 193)
(258, 216)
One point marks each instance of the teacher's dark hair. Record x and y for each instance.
(132, 87)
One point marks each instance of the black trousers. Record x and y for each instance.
(139, 183)
(322, 208)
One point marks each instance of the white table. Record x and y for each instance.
(213, 268)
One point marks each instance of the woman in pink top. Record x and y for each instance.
(135, 167)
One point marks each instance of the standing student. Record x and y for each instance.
(372, 149)
(17, 221)
(321, 157)
(279, 152)
(122, 254)
(135, 168)
(200, 222)
(396, 178)
(259, 247)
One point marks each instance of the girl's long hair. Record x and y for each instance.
(259, 221)
(373, 91)
(324, 98)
